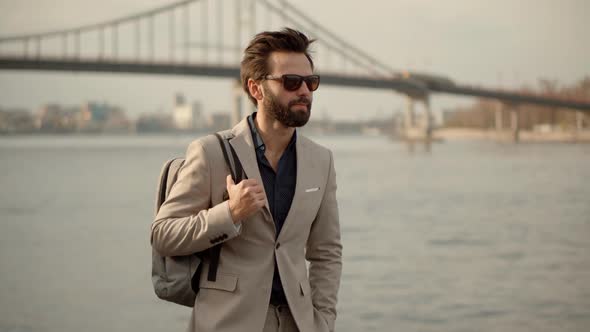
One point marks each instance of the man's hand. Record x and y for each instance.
(245, 198)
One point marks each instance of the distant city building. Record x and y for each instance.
(16, 121)
(187, 116)
(101, 117)
(218, 121)
(55, 118)
(154, 122)
(89, 117)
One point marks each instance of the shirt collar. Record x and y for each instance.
(257, 139)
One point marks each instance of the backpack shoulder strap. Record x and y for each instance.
(235, 166)
(168, 176)
(237, 174)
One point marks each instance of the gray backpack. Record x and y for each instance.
(176, 279)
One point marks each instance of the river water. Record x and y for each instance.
(474, 236)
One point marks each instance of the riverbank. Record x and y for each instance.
(457, 134)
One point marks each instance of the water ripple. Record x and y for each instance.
(459, 242)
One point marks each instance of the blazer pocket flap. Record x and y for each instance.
(226, 282)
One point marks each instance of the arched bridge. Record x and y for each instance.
(205, 38)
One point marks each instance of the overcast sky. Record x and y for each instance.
(490, 43)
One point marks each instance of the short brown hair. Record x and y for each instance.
(255, 62)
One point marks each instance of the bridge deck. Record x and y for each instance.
(409, 86)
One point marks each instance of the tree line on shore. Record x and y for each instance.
(482, 113)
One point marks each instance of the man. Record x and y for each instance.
(284, 213)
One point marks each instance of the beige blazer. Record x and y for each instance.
(194, 218)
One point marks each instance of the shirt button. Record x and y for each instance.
(278, 245)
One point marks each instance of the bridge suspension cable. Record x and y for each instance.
(335, 42)
(94, 26)
(116, 45)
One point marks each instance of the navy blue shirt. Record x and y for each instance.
(280, 188)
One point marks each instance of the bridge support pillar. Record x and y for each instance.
(417, 130)
(579, 125)
(514, 124)
(409, 122)
(427, 124)
(499, 120)
(409, 115)
(236, 114)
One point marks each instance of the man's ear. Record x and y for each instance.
(255, 89)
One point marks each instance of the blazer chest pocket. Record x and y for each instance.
(225, 282)
(311, 201)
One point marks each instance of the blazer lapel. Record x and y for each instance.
(244, 147)
(306, 178)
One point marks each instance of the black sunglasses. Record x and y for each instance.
(292, 82)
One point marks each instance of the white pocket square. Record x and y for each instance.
(310, 190)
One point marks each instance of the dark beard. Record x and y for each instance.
(284, 114)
